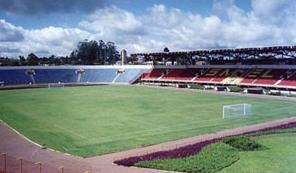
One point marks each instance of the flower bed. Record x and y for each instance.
(170, 154)
(211, 159)
(188, 150)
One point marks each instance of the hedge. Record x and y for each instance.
(196, 86)
(243, 143)
(234, 89)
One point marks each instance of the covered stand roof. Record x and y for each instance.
(244, 53)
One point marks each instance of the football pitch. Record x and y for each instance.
(278, 157)
(87, 121)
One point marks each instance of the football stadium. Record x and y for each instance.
(147, 86)
(220, 110)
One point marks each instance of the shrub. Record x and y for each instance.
(196, 86)
(212, 158)
(243, 143)
(235, 89)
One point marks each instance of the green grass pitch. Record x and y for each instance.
(88, 121)
(279, 157)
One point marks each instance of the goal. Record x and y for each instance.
(55, 85)
(237, 110)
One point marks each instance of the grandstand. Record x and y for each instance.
(35, 75)
(267, 68)
(269, 76)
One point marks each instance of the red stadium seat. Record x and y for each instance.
(270, 76)
(209, 75)
(154, 74)
(181, 74)
(252, 77)
(290, 80)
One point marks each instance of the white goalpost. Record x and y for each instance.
(237, 110)
(55, 85)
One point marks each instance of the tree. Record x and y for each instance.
(32, 59)
(166, 49)
(101, 52)
(93, 52)
(87, 52)
(22, 60)
(112, 53)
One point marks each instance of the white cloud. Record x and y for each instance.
(221, 7)
(9, 32)
(181, 30)
(55, 40)
(161, 27)
(273, 10)
(50, 40)
(105, 22)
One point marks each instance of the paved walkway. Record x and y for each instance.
(16, 145)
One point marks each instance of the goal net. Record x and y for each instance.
(56, 85)
(237, 110)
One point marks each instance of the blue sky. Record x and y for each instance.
(55, 27)
(203, 7)
(138, 7)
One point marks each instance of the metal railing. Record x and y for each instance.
(10, 164)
